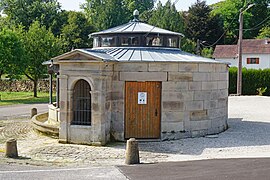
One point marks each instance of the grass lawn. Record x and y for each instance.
(10, 98)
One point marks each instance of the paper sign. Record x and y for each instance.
(142, 97)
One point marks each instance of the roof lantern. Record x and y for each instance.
(136, 34)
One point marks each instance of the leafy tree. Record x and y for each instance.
(3, 23)
(27, 11)
(141, 5)
(75, 32)
(40, 45)
(264, 33)
(188, 45)
(104, 15)
(167, 17)
(12, 52)
(229, 11)
(201, 24)
(110, 13)
(207, 52)
(59, 21)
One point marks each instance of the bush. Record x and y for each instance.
(252, 79)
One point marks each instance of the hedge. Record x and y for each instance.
(252, 79)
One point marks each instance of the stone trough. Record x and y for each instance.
(41, 123)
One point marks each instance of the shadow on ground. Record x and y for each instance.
(240, 133)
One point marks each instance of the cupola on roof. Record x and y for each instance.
(138, 42)
(136, 26)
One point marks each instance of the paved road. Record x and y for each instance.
(17, 172)
(222, 169)
(20, 111)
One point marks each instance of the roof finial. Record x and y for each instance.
(136, 14)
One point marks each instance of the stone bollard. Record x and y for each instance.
(33, 112)
(11, 148)
(132, 152)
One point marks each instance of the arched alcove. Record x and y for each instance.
(81, 103)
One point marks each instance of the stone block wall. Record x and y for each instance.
(99, 76)
(25, 85)
(194, 97)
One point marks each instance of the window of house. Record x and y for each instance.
(154, 41)
(172, 42)
(253, 61)
(108, 41)
(81, 103)
(96, 42)
(130, 41)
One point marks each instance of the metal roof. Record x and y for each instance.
(136, 27)
(141, 54)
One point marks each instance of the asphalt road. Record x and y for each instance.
(19, 172)
(21, 111)
(222, 169)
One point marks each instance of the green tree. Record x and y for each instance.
(40, 45)
(167, 17)
(141, 5)
(264, 33)
(12, 52)
(104, 15)
(229, 11)
(201, 24)
(26, 11)
(188, 45)
(110, 13)
(60, 20)
(207, 52)
(75, 32)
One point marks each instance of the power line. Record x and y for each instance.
(258, 25)
(222, 34)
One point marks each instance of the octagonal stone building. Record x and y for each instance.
(136, 82)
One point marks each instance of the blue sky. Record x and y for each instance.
(181, 5)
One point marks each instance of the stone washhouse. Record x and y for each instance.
(136, 82)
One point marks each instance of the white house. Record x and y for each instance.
(256, 53)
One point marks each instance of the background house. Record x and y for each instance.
(256, 53)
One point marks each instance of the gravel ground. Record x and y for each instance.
(248, 136)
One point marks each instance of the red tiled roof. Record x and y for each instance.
(225, 51)
(250, 46)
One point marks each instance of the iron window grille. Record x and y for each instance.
(81, 103)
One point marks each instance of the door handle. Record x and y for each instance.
(156, 113)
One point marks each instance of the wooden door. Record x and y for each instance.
(142, 110)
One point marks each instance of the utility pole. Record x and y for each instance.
(239, 75)
(198, 48)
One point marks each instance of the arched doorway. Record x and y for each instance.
(81, 103)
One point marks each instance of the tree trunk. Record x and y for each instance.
(1, 73)
(35, 87)
(35, 81)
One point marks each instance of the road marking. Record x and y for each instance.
(47, 170)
